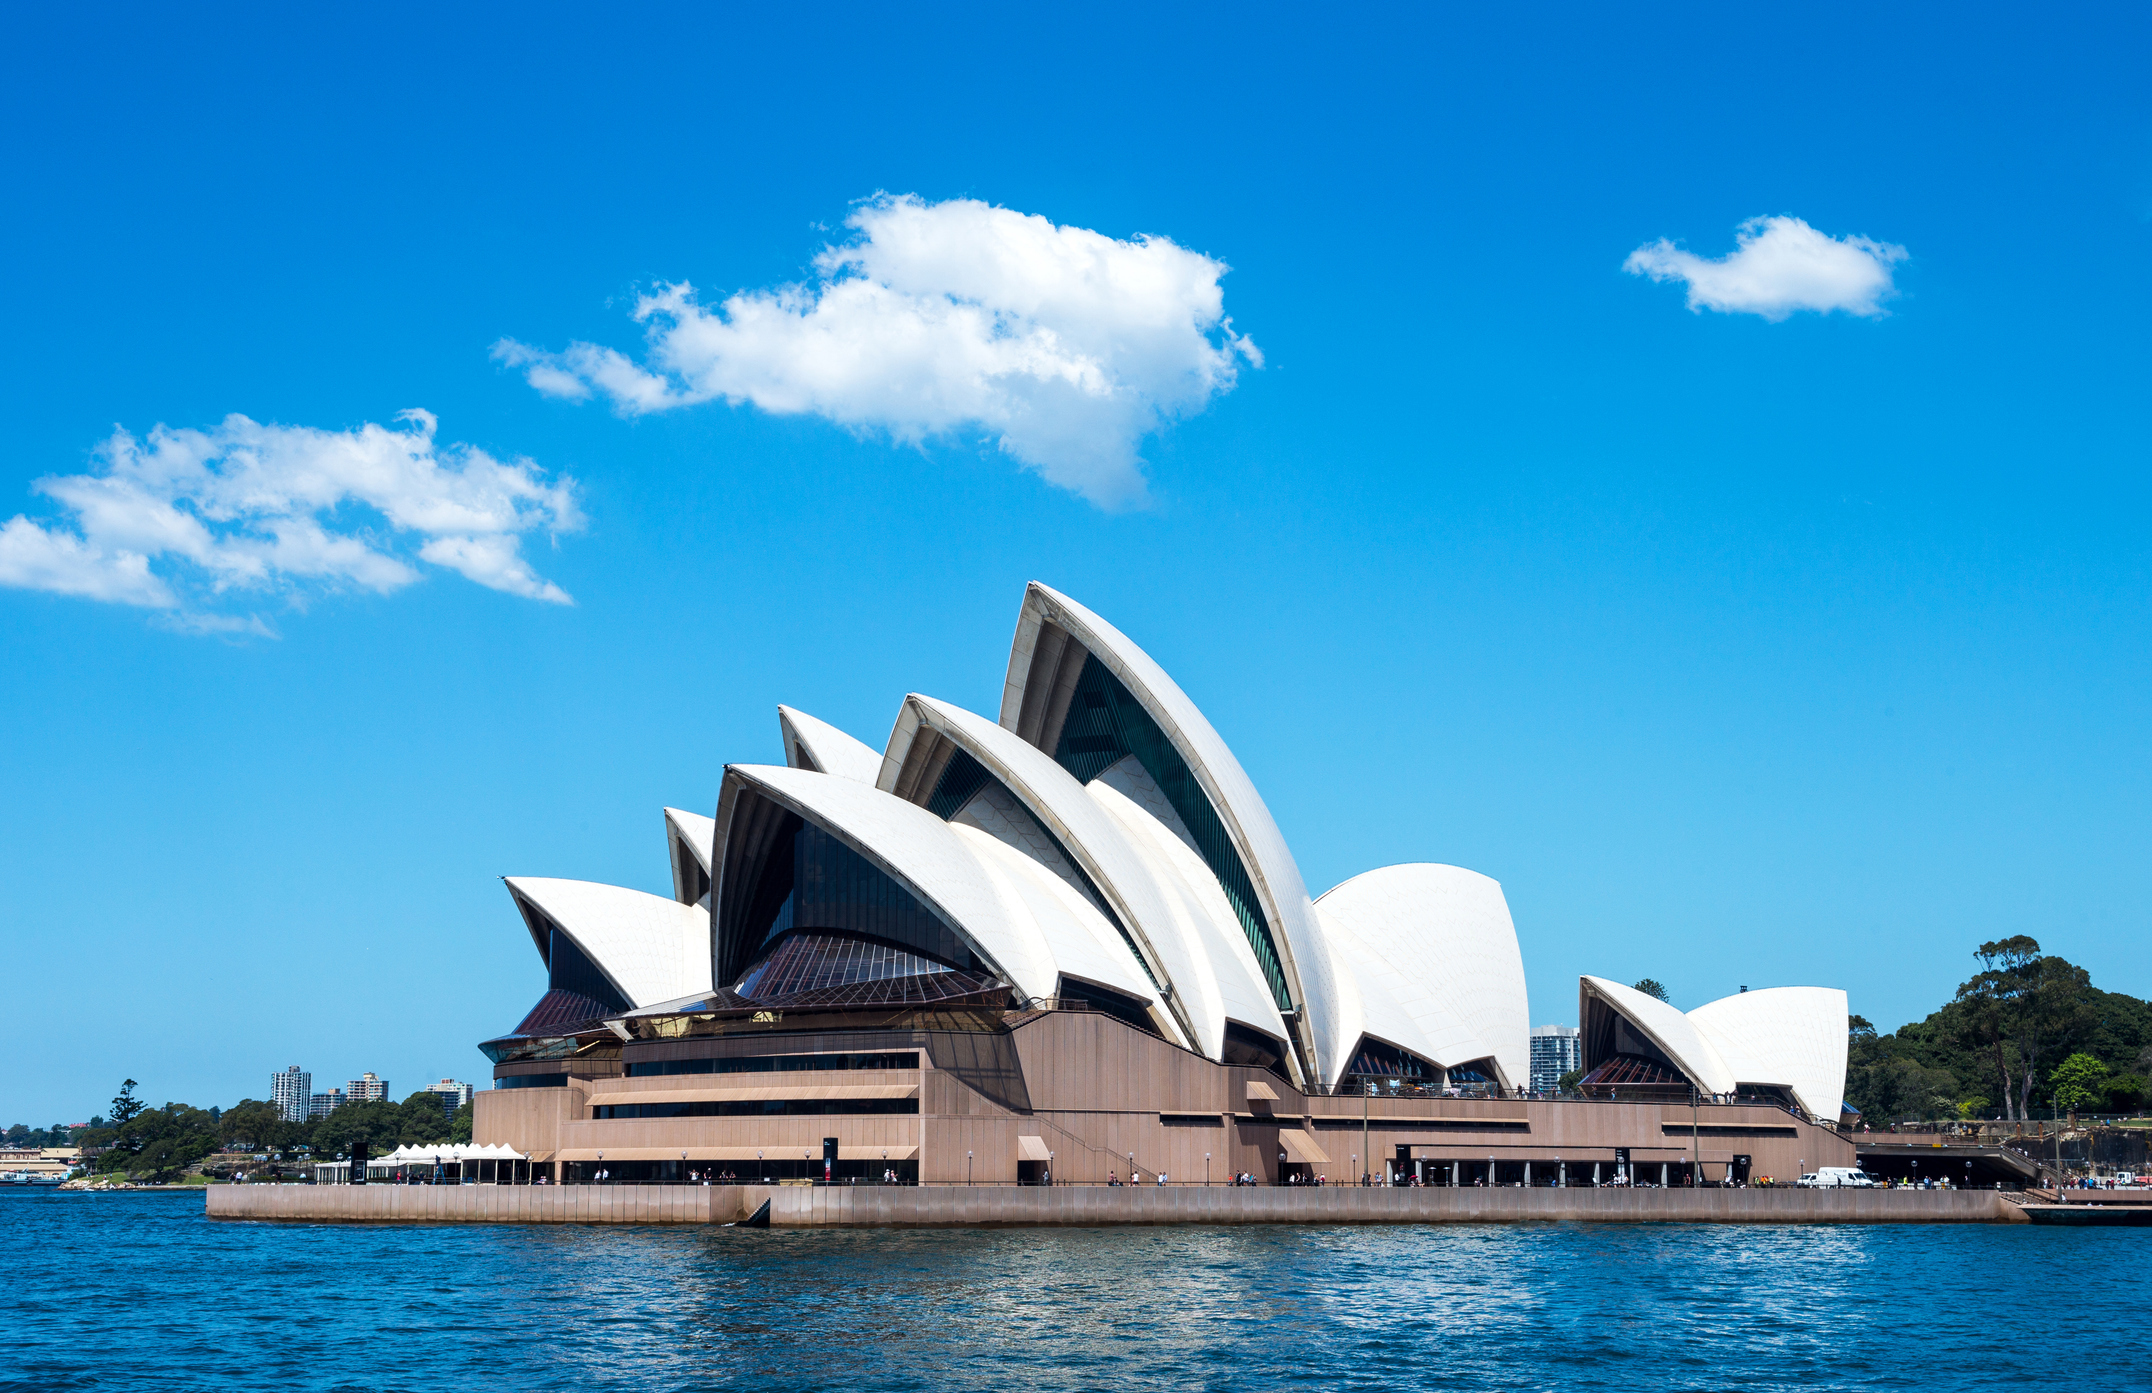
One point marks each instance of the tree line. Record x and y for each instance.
(2026, 1036)
(149, 1143)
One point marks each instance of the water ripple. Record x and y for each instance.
(110, 1291)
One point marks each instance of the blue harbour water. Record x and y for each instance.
(142, 1291)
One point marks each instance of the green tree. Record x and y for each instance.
(423, 1121)
(1567, 1083)
(1993, 1001)
(379, 1124)
(252, 1122)
(1907, 1091)
(2076, 1082)
(2124, 1092)
(159, 1143)
(126, 1107)
(1650, 987)
(459, 1126)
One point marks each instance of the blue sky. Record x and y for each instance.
(1742, 649)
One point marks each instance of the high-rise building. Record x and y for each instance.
(1556, 1049)
(322, 1104)
(367, 1088)
(290, 1092)
(453, 1094)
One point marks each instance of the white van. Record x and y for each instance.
(1831, 1176)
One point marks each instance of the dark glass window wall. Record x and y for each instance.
(827, 885)
(863, 1170)
(570, 970)
(775, 1064)
(761, 1107)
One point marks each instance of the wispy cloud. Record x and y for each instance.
(195, 522)
(1065, 346)
(1778, 265)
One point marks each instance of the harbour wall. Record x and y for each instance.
(959, 1206)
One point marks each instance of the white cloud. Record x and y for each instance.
(1778, 265)
(1065, 346)
(246, 508)
(35, 559)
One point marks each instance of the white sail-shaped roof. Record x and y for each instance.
(692, 833)
(1438, 940)
(687, 847)
(1288, 913)
(1230, 973)
(1788, 1037)
(818, 745)
(1015, 913)
(1115, 865)
(649, 947)
(1085, 947)
(917, 850)
(1675, 1035)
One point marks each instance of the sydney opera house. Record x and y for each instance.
(1069, 941)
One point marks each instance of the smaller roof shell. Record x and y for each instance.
(917, 850)
(1439, 940)
(649, 947)
(1789, 1037)
(1675, 1034)
(687, 851)
(818, 745)
(692, 833)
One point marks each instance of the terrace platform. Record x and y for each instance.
(959, 1206)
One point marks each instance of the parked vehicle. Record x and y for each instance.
(1831, 1177)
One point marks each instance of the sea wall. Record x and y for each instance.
(488, 1204)
(961, 1206)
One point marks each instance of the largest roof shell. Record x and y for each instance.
(1184, 932)
(1034, 701)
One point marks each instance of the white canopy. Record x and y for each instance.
(447, 1154)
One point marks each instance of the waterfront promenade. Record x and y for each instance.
(958, 1206)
